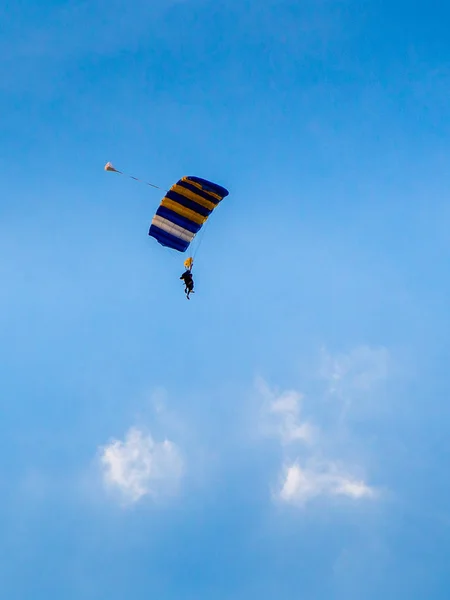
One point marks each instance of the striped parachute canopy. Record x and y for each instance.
(183, 211)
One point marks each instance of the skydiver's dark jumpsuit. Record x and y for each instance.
(188, 282)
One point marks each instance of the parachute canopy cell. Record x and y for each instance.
(183, 211)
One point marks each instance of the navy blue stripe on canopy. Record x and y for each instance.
(167, 239)
(170, 215)
(209, 185)
(195, 190)
(198, 208)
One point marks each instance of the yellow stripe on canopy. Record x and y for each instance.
(184, 212)
(190, 195)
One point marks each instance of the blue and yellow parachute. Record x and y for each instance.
(183, 211)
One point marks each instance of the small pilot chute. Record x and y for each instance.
(109, 167)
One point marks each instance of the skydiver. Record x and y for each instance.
(188, 282)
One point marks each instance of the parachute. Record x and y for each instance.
(184, 210)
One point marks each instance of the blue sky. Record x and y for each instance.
(284, 434)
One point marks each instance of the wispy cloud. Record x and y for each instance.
(302, 484)
(311, 453)
(139, 466)
(356, 371)
(354, 380)
(283, 415)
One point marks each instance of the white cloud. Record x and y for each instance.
(304, 445)
(356, 371)
(139, 466)
(302, 484)
(282, 411)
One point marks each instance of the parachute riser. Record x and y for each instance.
(109, 167)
